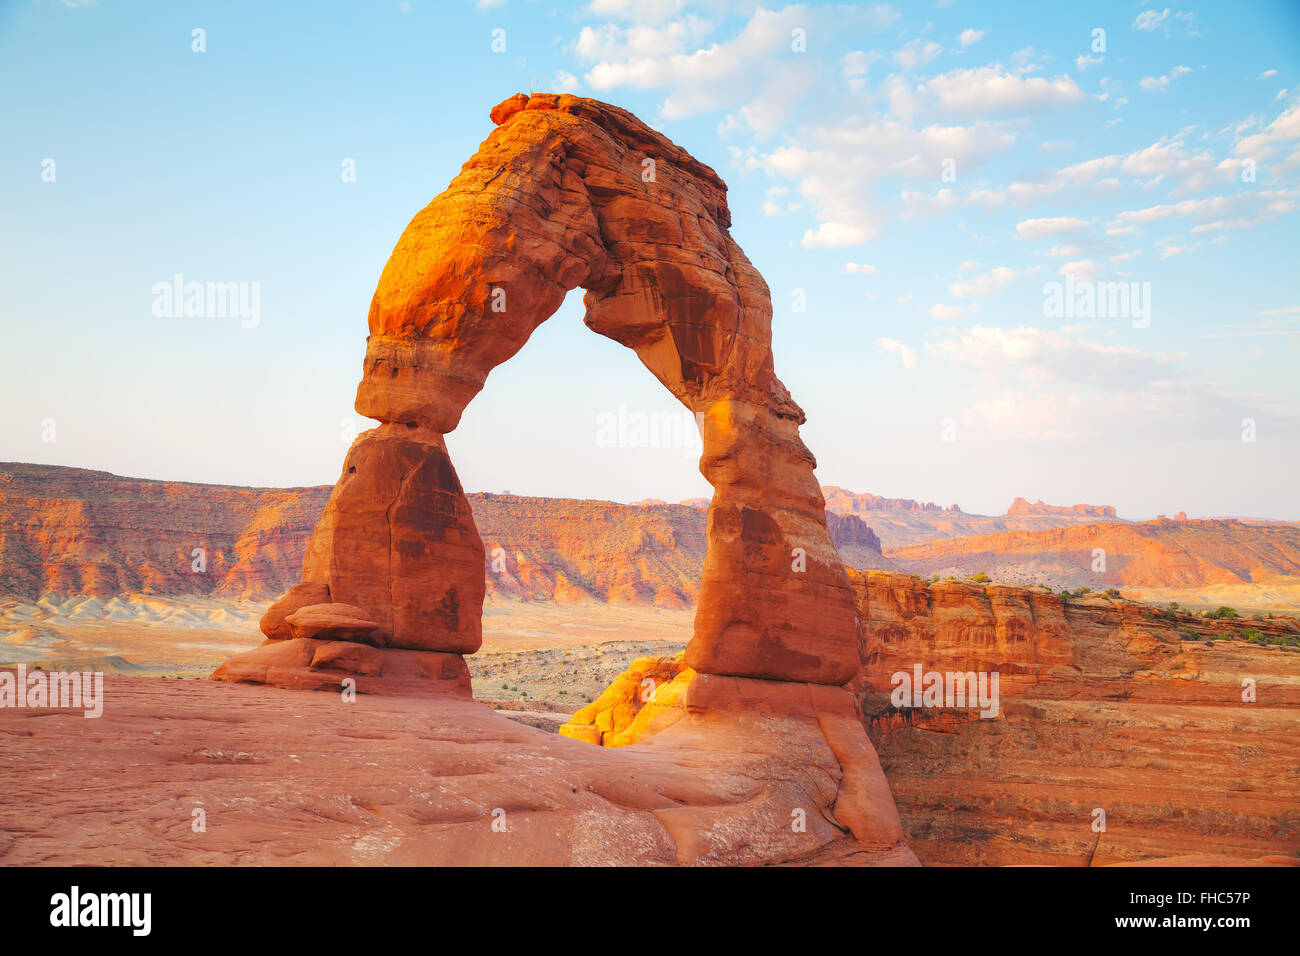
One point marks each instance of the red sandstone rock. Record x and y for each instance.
(309, 664)
(331, 622)
(1177, 554)
(508, 108)
(275, 623)
(288, 778)
(571, 192)
(1103, 703)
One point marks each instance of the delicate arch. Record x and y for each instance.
(570, 192)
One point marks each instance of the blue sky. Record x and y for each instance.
(915, 174)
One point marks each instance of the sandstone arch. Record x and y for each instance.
(570, 192)
(757, 732)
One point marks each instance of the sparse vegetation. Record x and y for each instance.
(979, 577)
(1222, 613)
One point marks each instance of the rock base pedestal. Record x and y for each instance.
(307, 664)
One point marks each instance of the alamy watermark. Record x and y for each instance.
(627, 428)
(75, 908)
(40, 688)
(1098, 300)
(179, 299)
(950, 689)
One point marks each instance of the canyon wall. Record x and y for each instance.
(1109, 713)
(1104, 705)
(1160, 553)
(71, 531)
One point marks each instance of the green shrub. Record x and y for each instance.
(979, 577)
(1223, 612)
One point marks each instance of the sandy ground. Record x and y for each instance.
(540, 662)
(1245, 598)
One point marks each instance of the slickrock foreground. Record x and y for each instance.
(300, 777)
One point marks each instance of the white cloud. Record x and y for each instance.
(920, 206)
(1161, 83)
(971, 37)
(1263, 145)
(982, 286)
(941, 311)
(858, 63)
(1083, 61)
(640, 11)
(1082, 270)
(565, 82)
(1065, 252)
(1216, 213)
(895, 346)
(1150, 19)
(753, 73)
(831, 234)
(916, 53)
(1043, 385)
(860, 268)
(989, 90)
(836, 170)
(1050, 228)
(637, 49)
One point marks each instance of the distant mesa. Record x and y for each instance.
(841, 499)
(72, 531)
(1021, 507)
(1159, 553)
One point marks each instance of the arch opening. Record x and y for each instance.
(568, 193)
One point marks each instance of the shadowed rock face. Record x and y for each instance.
(569, 192)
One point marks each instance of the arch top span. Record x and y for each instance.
(569, 192)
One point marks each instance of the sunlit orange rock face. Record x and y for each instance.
(1160, 553)
(1105, 705)
(569, 192)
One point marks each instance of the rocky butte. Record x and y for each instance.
(570, 192)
